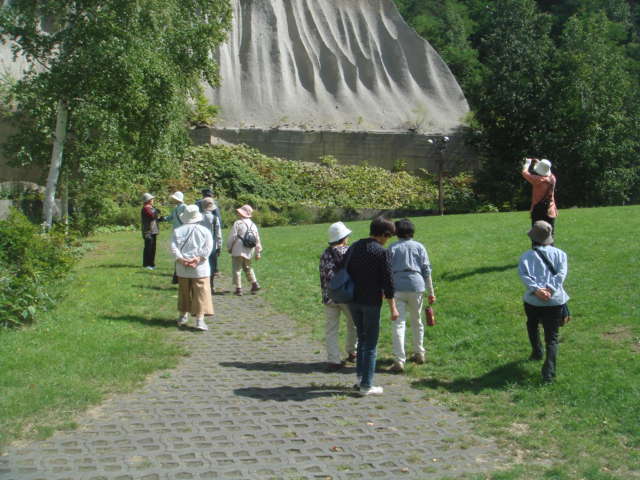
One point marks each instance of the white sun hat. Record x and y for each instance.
(191, 214)
(543, 167)
(178, 196)
(337, 231)
(146, 197)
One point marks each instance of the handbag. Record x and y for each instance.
(341, 287)
(566, 313)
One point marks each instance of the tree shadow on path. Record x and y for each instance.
(150, 322)
(285, 367)
(476, 271)
(499, 378)
(295, 394)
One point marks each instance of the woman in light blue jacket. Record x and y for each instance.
(411, 277)
(543, 270)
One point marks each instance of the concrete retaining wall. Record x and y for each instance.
(382, 149)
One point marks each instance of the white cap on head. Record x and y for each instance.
(338, 231)
(543, 167)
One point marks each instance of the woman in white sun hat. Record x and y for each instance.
(242, 243)
(543, 182)
(191, 245)
(330, 258)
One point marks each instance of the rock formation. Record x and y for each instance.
(332, 65)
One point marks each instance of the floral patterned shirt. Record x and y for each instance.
(328, 261)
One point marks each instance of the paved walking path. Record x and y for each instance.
(252, 402)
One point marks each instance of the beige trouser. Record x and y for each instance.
(411, 303)
(332, 331)
(194, 296)
(239, 265)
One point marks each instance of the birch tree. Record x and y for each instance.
(108, 80)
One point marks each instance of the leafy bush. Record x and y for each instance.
(29, 261)
(248, 176)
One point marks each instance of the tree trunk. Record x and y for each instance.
(55, 164)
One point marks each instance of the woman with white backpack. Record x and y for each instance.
(243, 241)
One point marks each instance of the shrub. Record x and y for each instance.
(29, 261)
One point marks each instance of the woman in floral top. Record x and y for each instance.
(332, 256)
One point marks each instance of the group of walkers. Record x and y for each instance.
(400, 274)
(196, 244)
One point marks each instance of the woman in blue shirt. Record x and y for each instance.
(543, 270)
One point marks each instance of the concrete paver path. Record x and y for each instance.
(252, 402)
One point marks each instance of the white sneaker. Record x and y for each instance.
(371, 391)
(183, 320)
(150, 268)
(200, 325)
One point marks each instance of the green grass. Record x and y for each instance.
(587, 424)
(116, 324)
(106, 336)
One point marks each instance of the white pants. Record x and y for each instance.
(408, 302)
(332, 330)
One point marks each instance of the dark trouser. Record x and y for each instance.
(213, 263)
(149, 253)
(367, 321)
(550, 318)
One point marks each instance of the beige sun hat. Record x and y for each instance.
(191, 214)
(543, 167)
(146, 197)
(208, 204)
(541, 233)
(245, 211)
(337, 231)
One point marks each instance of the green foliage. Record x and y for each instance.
(29, 261)
(202, 113)
(555, 79)
(124, 71)
(290, 188)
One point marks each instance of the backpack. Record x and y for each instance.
(249, 239)
(341, 287)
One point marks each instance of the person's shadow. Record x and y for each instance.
(295, 394)
(150, 322)
(512, 373)
(476, 271)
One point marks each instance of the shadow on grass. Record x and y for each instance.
(163, 288)
(500, 378)
(150, 322)
(476, 271)
(295, 394)
(116, 265)
(285, 367)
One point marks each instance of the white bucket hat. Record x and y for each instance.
(337, 231)
(543, 167)
(245, 211)
(178, 196)
(191, 214)
(146, 197)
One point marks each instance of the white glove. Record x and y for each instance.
(526, 164)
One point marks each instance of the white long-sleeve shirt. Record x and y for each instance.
(188, 241)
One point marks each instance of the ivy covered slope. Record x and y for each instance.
(241, 172)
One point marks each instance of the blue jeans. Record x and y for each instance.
(367, 321)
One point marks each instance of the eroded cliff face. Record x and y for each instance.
(332, 65)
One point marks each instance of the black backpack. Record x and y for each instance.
(249, 239)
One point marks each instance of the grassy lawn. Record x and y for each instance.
(107, 335)
(586, 425)
(115, 327)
